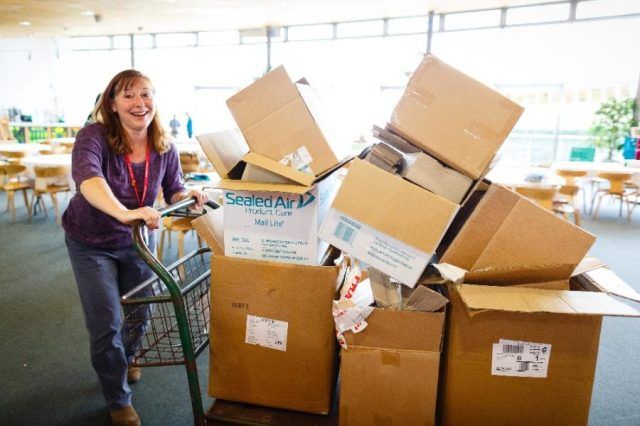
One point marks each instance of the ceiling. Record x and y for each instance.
(104, 17)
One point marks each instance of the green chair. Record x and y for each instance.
(582, 153)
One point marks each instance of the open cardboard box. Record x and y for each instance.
(505, 230)
(389, 373)
(526, 354)
(453, 117)
(283, 120)
(272, 334)
(269, 221)
(387, 222)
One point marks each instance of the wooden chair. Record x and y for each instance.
(5, 130)
(190, 162)
(48, 180)
(543, 196)
(13, 157)
(575, 177)
(564, 203)
(181, 225)
(11, 183)
(616, 189)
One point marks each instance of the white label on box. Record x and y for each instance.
(299, 160)
(266, 332)
(520, 359)
(391, 256)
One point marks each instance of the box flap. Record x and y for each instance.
(280, 169)
(373, 196)
(588, 264)
(240, 185)
(519, 275)
(532, 300)
(210, 227)
(224, 149)
(605, 280)
(392, 329)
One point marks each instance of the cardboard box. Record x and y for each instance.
(453, 117)
(387, 222)
(272, 334)
(518, 355)
(284, 120)
(508, 231)
(225, 150)
(389, 373)
(276, 222)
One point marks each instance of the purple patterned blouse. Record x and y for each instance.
(92, 157)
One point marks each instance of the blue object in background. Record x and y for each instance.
(629, 148)
(582, 153)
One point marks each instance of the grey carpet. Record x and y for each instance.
(46, 377)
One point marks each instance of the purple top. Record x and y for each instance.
(92, 156)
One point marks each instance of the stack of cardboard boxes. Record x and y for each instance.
(519, 337)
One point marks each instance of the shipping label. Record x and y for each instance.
(391, 256)
(266, 332)
(520, 359)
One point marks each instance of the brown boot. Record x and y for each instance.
(134, 374)
(125, 416)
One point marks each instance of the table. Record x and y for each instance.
(62, 160)
(524, 176)
(27, 148)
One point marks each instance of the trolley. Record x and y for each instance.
(168, 315)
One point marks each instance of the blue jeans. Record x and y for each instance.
(102, 276)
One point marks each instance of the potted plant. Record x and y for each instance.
(613, 121)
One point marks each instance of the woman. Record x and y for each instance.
(119, 164)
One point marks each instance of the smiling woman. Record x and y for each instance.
(119, 164)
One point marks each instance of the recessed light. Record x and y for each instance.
(87, 13)
(24, 23)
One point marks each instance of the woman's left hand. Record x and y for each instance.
(200, 197)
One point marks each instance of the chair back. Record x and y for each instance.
(190, 162)
(570, 175)
(543, 196)
(616, 181)
(9, 171)
(49, 171)
(13, 156)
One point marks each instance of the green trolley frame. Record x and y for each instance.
(168, 315)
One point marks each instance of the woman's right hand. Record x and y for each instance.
(150, 216)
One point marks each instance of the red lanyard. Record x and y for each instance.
(134, 184)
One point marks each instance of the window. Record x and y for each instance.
(360, 29)
(461, 21)
(310, 32)
(175, 39)
(80, 43)
(533, 14)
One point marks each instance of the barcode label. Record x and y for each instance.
(512, 349)
(345, 233)
(520, 359)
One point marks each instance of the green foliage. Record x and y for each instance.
(612, 123)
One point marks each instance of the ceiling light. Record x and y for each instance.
(24, 23)
(87, 13)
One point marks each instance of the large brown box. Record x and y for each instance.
(486, 324)
(279, 118)
(272, 334)
(506, 230)
(453, 117)
(389, 373)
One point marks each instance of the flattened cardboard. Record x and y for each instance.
(302, 377)
(225, 150)
(453, 117)
(533, 300)
(388, 212)
(210, 228)
(389, 374)
(426, 171)
(253, 173)
(276, 121)
(508, 231)
(471, 394)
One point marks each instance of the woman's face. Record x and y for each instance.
(135, 107)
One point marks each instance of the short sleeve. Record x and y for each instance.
(87, 154)
(172, 179)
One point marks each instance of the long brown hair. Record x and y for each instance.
(103, 114)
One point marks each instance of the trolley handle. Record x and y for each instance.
(140, 243)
